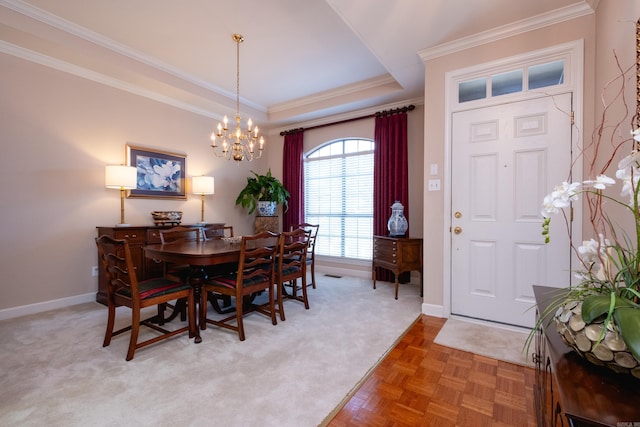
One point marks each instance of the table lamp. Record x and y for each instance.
(202, 185)
(123, 178)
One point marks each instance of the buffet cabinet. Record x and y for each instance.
(137, 237)
(570, 391)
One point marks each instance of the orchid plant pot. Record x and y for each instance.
(599, 344)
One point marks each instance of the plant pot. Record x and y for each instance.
(610, 352)
(267, 208)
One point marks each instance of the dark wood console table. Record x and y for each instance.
(570, 391)
(138, 237)
(397, 254)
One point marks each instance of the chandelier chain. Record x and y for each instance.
(239, 39)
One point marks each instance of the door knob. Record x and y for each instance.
(458, 214)
(457, 230)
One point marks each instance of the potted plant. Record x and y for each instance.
(599, 317)
(263, 188)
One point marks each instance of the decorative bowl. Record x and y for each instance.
(167, 217)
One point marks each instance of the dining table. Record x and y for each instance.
(197, 254)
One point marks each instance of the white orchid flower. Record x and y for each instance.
(591, 249)
(630, 161)
(629, 173)
(560, 198)
(600, 182)
(636, 134)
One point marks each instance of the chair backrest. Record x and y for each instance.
(292, 255)
(257, 256)
(217, 231)
(312, 229)
(117, 263)
(181, 234)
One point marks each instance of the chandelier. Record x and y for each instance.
(237, 144)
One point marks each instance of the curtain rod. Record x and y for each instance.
(376, 114)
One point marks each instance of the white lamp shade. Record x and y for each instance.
(119, 176)
(202, 185)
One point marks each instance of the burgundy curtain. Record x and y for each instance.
(390, 176)
(292, 178)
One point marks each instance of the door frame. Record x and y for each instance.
(573, 55)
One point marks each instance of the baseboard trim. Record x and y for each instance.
(433, 310)
(39, 307)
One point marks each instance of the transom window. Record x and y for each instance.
(513, 81)
(338, 195)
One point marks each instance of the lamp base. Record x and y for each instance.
(202, 223)
(123, 225)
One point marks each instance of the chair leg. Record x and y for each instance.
(313, 274)
(110, 322)
(239, 311)
(203, 309)
(279, 292)
(161, 308)
(304, 293)
(272, 309)
(135, 328)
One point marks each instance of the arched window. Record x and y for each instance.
(338, 192)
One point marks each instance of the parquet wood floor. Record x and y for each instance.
(420, 383)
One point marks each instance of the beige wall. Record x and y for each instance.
(435, 224)
(57, 133)
(616, 30)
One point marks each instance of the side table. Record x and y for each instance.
(399, 255)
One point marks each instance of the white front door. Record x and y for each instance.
(505, 159)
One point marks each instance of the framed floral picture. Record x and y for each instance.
(161, 174)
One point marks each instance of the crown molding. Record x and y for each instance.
(84, 73)
(366, 85)
(563, 14)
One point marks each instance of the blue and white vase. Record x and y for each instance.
(397, 223)
(266, 208)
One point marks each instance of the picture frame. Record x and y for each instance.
(161, 174)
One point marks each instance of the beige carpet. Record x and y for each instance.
(55, 372)
(495, 341)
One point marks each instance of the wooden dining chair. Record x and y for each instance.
(180, 234)
(123, 289)
(217, 231)
(256, 273)
(291, 266)
(220, 303)
(177, 272)
(311, 252)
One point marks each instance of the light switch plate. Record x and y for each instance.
(434, 185)
(434, 169)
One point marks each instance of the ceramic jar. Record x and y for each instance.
(397, 223)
